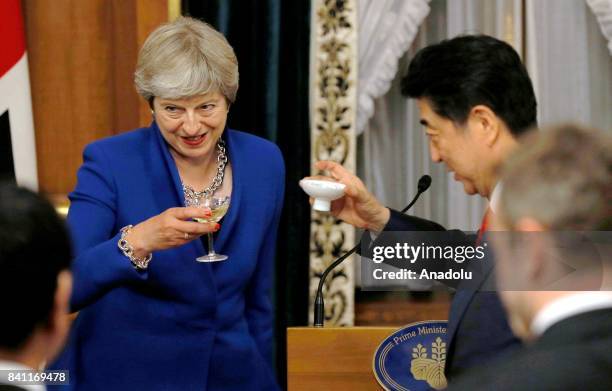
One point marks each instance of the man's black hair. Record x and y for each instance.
(457, 74)
(34, 249)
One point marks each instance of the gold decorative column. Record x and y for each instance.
(333, 102)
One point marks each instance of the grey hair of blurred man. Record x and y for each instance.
(561, 178)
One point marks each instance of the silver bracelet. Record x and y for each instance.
(128, 251)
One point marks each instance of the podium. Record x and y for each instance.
(331, 358)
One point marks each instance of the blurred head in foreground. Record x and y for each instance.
(556, 193)
(35, 281)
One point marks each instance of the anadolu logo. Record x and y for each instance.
(412, 358)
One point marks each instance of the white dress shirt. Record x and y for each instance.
(568, 306)
(494, 199)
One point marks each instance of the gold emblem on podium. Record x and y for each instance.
(431, 369)
(412, 358)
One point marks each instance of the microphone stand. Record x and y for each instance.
(319, 303)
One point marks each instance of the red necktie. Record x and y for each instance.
(483, 227)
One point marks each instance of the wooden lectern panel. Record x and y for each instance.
(333, 358)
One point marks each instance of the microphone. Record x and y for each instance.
(424, 183)
(422, 186)
(319, 304)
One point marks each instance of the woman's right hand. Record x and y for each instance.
(171, 228)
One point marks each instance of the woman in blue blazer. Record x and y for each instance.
(150, 316)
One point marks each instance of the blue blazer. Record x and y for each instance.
(478, 328)
(180, 325)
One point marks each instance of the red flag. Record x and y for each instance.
(17, 145)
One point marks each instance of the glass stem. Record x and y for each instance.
(211, 249)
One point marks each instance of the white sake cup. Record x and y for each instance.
(324, 192)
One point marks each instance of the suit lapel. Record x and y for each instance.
(461, 300)
(168, 189)
(464, 295)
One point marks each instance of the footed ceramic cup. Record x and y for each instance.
(323, 192)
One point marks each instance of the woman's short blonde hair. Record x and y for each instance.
(186, 58)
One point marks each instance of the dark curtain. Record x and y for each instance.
(7, 167)
(271, 40)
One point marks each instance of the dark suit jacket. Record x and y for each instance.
(478, 329)
(573, 354)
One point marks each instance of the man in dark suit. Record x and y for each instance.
(35, 283)
(556, 193)
(475, 98)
